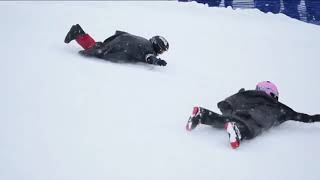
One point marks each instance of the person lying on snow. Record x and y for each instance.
(248, 113)
(121, 46)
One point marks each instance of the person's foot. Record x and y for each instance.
(74, 31)
(194, 119)
(234, 134)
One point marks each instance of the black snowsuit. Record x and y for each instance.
(255, 111)
(125, 47)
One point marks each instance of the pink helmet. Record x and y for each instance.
(269, 88)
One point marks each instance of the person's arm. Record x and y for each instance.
(290, 114)
(301, 117)
(152, 59)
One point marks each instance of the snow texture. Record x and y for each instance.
(64, 116)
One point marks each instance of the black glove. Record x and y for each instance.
(316, 118)
(161, 62)
(157, 61)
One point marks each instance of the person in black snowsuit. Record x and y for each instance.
(121, 47)
(248, 113)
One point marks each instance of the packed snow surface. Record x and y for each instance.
(65, 117)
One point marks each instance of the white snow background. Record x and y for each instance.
(67, 117)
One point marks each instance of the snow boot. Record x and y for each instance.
(73, 33)
(194, 119)
(234, 134)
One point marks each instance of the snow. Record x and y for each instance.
(64, 116)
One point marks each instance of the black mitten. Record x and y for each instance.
(316, 118)
(161, 62)
(151, 59)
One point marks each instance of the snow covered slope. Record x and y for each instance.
(63, 116)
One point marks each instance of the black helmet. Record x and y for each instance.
(160, 44)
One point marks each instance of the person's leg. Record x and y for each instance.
(241, 128)
(82, 38)
(201, 115)
(234, 134)
(85, 41)
(237, 131)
